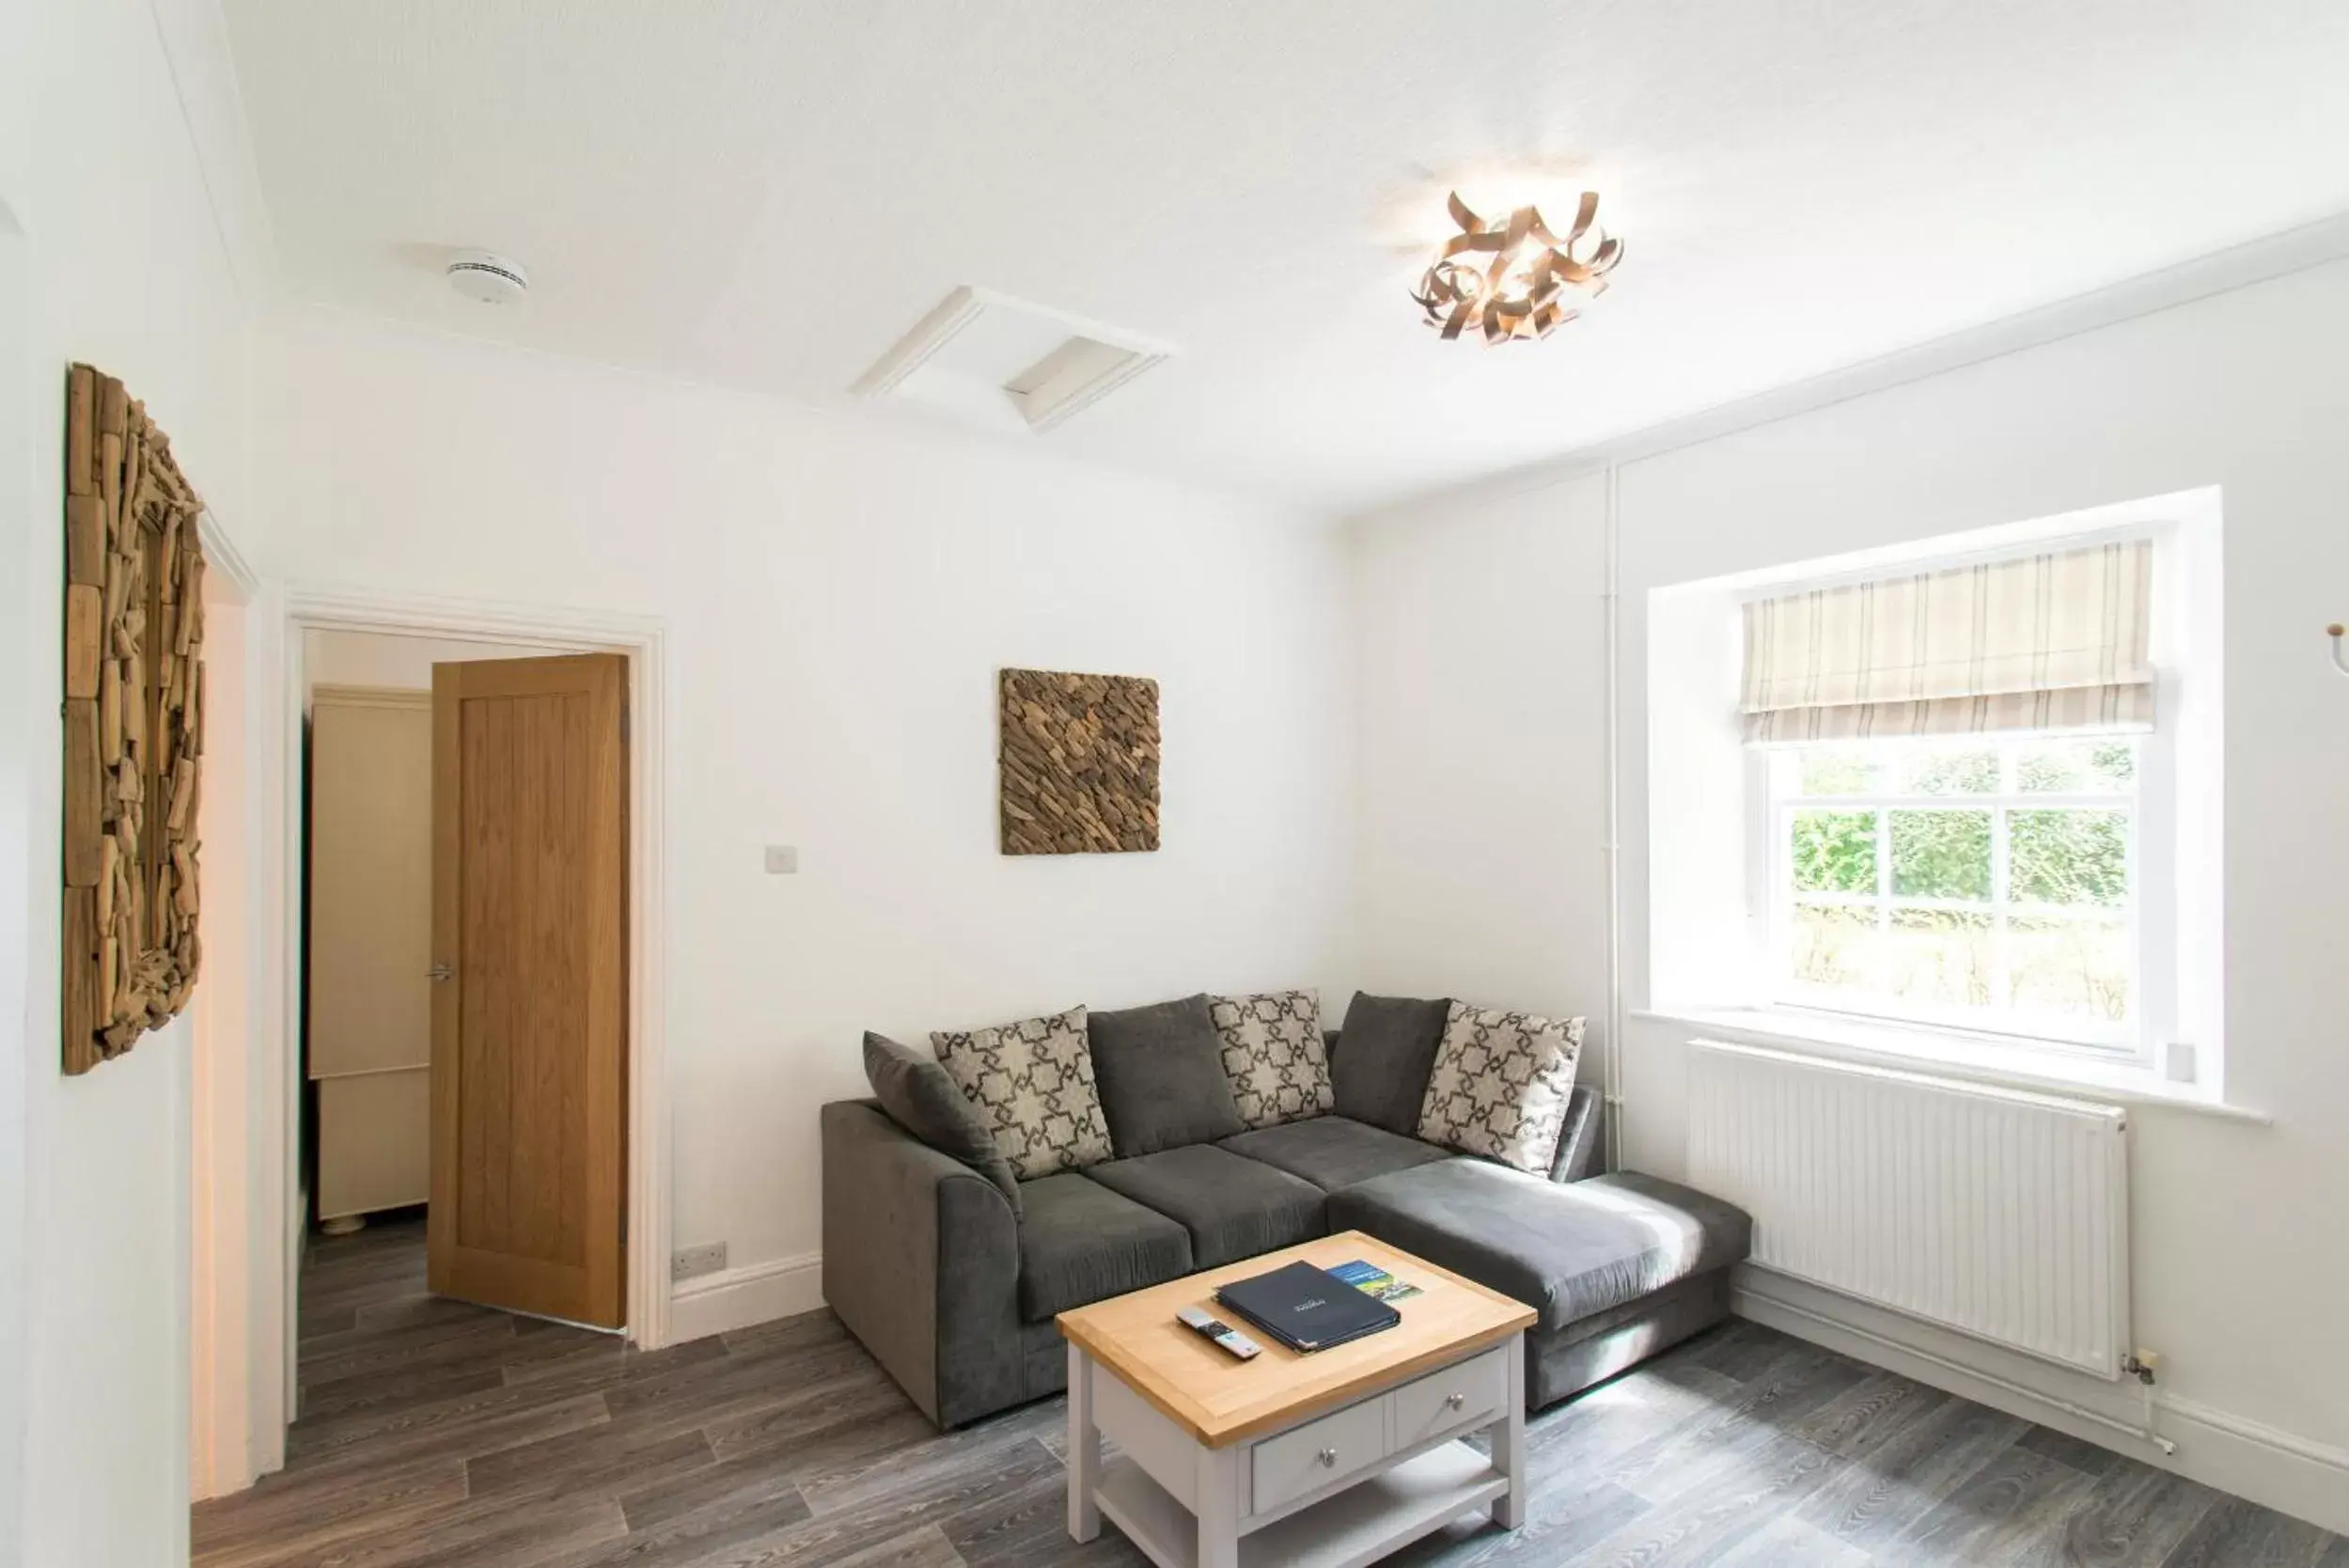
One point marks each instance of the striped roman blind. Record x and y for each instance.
(2055, 641)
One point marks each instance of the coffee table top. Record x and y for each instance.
(1219, 1401)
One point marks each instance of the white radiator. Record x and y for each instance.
(1996, 1212)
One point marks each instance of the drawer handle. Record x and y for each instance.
(1327, 1456)
(1455, 1400)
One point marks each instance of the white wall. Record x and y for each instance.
(2238, 1274)
(16, 744)
(1479, 635)
(127, 269)
(839, 597)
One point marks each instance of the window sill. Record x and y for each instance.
(1952, 1054)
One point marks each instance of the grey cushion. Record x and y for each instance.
(1333, 1152)
(1160, 1070)
(1229, 1206)
(917, 1094)
(1384, 1053)
(1578, 1143)
(1565, 1250)
(1080, 1241)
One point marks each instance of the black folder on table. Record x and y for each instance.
(1307, 1308)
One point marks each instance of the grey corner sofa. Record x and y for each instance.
(952, 1282)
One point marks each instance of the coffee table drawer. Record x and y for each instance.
(1476, 1388)
(1315, 1454)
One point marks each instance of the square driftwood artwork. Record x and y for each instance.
(1080, 764)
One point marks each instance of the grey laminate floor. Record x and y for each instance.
(438, 1434)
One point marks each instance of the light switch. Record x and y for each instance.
(782, 859)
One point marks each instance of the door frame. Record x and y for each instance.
(278, 1108)
(237, 893)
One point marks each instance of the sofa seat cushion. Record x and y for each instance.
(1333, 1152)
(1080, 1241)
(1565, 1250)
(1229, 1206)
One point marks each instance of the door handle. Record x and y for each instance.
(440, 972)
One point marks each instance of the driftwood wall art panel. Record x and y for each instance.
(1080, 764)
(133, 723)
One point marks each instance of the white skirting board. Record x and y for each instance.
(739, 1297)
(2284, 1470)
(2281, 1470)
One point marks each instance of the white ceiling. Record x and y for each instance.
(767, 193)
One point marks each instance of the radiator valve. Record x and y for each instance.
(2142, 1364)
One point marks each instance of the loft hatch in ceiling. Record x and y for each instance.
(1006, 364)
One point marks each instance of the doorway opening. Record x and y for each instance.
(463, 1064)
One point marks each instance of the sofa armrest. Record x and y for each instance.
(922, 1259)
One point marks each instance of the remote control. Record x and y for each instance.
(1231, 1339)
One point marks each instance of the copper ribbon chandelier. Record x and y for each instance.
(1512, 279)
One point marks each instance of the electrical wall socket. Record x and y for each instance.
(691, 1263)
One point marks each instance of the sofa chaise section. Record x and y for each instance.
(1619, 1266)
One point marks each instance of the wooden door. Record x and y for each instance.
(529, 1026)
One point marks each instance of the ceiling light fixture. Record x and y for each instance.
(1516, 282)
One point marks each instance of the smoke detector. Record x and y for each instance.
(1004, 363)
(493, 280)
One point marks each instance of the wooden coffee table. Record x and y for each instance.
(1322, 1461)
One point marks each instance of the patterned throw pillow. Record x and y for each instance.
(1275, 1054)
(1500, 1086)
(1033, 1083)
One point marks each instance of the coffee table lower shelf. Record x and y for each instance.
(1347, 1529)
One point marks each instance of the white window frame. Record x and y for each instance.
(2151, 914)
(1702, 855)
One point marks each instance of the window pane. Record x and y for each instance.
(1939, 957)
(1941, 855)
(1835, 852)
(1837, 770)
(1834, 945)
(1940, 770)
(2071, 857)
(2076, 967)
(2077, 767)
